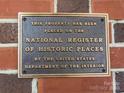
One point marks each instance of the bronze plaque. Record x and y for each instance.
(63, 45)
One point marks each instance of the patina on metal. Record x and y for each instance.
(63, 45)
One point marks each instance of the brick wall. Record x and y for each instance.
(9, 83)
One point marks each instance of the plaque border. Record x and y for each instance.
(21, 75)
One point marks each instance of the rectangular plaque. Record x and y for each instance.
(63, 45)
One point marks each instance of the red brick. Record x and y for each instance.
(8, 58)
(10, 8)
(117, 57)
(77, 85)
(113, 7)
(40, 86)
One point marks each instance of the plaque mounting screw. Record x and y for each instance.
(103, 70)
(24, 72)
(102, 20)
(24, 19)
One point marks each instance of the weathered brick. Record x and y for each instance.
(10, 8)
(110, 33)
(8, 32)
(11, 84)
(8, 58)
(113, 7)
(81, 6)
(117, 57)
(119, 82)
(77, 85)
(119, 32)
